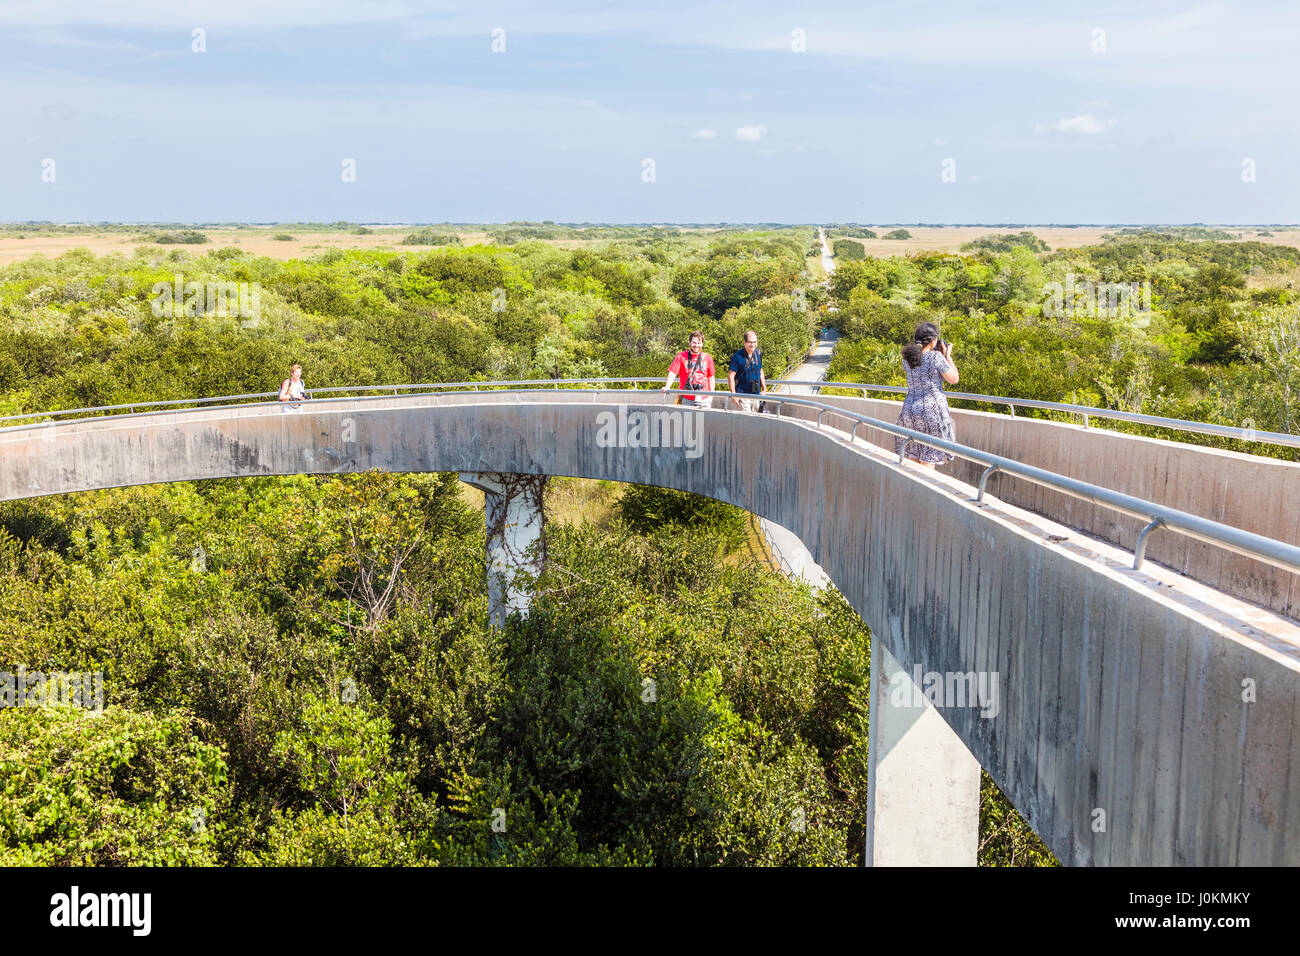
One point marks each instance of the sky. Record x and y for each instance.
(956, 111)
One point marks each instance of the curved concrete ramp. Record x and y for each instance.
(1139, 720)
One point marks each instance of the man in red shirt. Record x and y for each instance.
(693, 370)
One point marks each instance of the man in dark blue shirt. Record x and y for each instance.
(745, 374)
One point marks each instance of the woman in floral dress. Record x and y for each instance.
(928, 362)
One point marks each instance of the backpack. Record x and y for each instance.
(750, 372)
(695, 376)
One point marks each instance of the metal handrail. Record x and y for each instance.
(782, 561)
(1269, 550)
(1087, 412)
(311, 392)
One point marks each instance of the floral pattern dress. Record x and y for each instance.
(926, 408)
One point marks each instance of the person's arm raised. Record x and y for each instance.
(950, 375)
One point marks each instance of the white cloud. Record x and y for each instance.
(704, 134)
(1085, 123)
(1168, 43)
(752, 133)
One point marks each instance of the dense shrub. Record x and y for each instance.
(431, 237)
(648, 509)
(848, 249)
(1005, 242)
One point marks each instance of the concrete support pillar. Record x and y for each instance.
(923, 784)
(515, 543)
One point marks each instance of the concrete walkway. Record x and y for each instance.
(814, 366)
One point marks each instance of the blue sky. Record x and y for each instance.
(1044, 118)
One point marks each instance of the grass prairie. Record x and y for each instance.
(259, 240)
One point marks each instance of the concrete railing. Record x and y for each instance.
(1154, 515)
(1085, 412)
(1207, 483)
